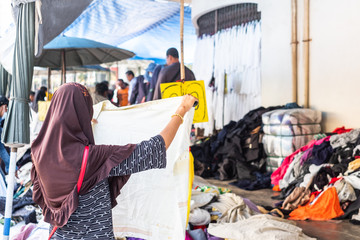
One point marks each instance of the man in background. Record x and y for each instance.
(153, 80)
(132, 82)
(171, 73)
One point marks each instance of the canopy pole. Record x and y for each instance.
(63, 64)
(9, 194)
(49, 80)
(182, 67)
(306, 42)
(294, 48)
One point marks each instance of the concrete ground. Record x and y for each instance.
(322, 230)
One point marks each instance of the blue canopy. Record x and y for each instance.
(146, 27)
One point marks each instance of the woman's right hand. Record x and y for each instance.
(186, 104)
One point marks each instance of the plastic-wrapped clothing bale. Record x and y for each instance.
(291, 130)
(282, 146)
(287, 130)
(296, 116)
(272, 163)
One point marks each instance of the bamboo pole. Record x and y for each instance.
(306, 42)
(294, 50)
(63, 64)
(49, 79)
(182, 67)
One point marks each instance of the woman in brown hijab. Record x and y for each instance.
(57, 156)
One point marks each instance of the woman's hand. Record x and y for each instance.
(186, 104)
(168, 133)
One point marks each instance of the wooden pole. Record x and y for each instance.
(294, 50)
(49, 79)
(306, 42)
(63, 64)
(182, 67)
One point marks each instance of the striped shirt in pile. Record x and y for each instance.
(93, 217)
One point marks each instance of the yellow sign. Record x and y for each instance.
(43, 107)
(49, 96)
(195, 88)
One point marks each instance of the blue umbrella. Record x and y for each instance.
(69, 51)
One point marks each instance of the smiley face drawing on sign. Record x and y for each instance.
(195, 88)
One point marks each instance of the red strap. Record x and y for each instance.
(83, 168)
(80, 180)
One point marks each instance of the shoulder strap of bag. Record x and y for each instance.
(80, 180)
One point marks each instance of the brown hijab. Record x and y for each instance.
(57, 155)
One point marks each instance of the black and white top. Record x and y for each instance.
(93, 217)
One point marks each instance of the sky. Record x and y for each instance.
(5, 15)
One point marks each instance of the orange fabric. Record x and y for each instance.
(276, 188)
(123, 95)
(326, 207)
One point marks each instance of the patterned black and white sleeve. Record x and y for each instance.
(147, 155)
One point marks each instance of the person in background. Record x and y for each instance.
(132, 82)
(101, 93)
(115, 99)
(4, 155)
(138, 94)
(39, 96)
(31, 98)
(153, 81)
(171, 73)
(67, 131)
(109, 91)
(148, 78)
(123, 93)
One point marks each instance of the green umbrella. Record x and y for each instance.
(16, 130)
(5, 78)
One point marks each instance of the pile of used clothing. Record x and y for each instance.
(321, 180)
(26, 214)
(237, 152)
(217, 214)
(286, 130)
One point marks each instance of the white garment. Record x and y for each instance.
(234, 53)
(257, 227)
(232, 207)
(199, 217)
(289, 174)
(313, 170)
(200, 199)
(203, 69)
(41, 232)
(353, 179)
(153, 204)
